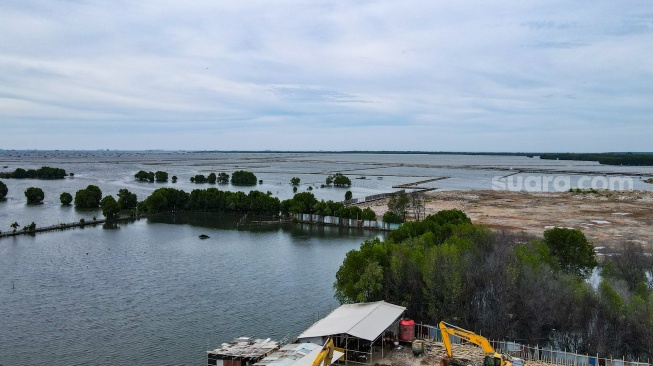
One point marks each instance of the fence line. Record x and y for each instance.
(533, 353)
(338, 221)
(374, 197)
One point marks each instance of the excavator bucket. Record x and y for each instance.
(445, 361)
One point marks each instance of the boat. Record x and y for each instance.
(204, 236)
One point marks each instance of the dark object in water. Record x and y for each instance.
(204, 236)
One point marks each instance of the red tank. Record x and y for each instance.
(406, 330)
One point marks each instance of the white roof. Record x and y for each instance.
(302, 354)
(365, 320)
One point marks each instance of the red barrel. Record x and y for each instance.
(406, 330)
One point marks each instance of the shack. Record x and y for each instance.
(243, 351)
(357, 328)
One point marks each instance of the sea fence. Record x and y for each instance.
(374, 197)
(338, 221)
(533, 353)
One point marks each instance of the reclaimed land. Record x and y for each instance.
(608, 218)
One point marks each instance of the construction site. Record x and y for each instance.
(377, 334)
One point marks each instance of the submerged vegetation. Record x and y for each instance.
(508, 285)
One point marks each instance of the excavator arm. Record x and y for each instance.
(449, 329)
(491, 357)
(325, 356)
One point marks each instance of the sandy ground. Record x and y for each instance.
(608, 218)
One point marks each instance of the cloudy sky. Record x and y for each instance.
(327, 75)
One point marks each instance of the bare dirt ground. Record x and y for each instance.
(608, 218)
(434, 352)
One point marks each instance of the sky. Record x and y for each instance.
(527, 76)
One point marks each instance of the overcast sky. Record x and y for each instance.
(327, 75)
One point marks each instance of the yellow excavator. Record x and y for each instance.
(492, 358)
(325, 356)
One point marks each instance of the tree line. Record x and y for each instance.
(305, 202)
(638, 159)
(45, 172)
(508, 285)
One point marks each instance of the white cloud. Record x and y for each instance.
(470, 75)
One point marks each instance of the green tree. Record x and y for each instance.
(199, 178)
(126, 199)
(174, 179)
(66, 198)
(34, 195)
(348, 195)
(212, 178)
(360, 277)
(110, 208)
(391, 217)
(399, 203)
(338, 180)
(295, 181)
(573, 251)
(223, 178)
(89, 197)
(160, 176)
(3, 190)
(243, 178)
(368, 214)
(15, 225)
(141, 176)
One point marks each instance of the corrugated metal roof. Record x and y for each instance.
(302, 354)
(365, 320)
(245, 347)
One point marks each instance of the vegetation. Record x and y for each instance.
(30, 228)
(34, 195)
(3, 190)
(305, 202)
(392, 218)
(143, 176)
(89, 197)
(66, 198)
(126, 199)
(45, 172)
(574, 254)
(212, 178)
(338, 180)
(605, 158)
(508, 285)
(160, 176)
(14, 226)
(295, 181)
(399, 205)
(199, 178)
(210, 200)
(348, 195)
(110, 207)
(223, 178)
(174, 179)
(243, 178)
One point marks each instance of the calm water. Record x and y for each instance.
(151, 292)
